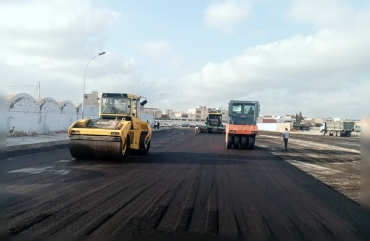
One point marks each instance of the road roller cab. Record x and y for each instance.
(242, 128)
(118, 130)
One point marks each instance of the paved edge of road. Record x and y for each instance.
(50, 143)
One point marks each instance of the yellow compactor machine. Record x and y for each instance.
(118, 130)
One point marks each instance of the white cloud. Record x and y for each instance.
(51, 41)
(156, 49)
(227, 15)
(325, 73)
(328, 13)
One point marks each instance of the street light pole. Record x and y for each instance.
(154, 102)
(140, 85)
(83, 96)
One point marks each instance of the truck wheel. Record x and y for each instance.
(236, 142)
(147, 149)
(244, 143)
(252, 139)
(229, 142)
(338, 134)
(125, 150)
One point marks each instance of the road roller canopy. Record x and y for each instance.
(118, 104)
(243, 112)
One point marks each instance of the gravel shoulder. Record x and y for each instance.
(333, 160)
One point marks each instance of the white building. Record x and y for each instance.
(201, 113)
(92, 99)
(155, 112)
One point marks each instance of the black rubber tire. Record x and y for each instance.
(236, 142)
(147, 149)
(244, 142)
(75, 152)
(124, 156)
(252, 139)
(229, 142)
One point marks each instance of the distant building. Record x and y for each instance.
(225, 116)
(269, 121)
(201, 113)
(169, 112)
(155, 112)
(91, 99)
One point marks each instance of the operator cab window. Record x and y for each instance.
(249, 109)
(237, 109)
(115, 105)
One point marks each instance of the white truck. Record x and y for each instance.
(340, 128)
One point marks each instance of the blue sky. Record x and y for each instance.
(291, 55)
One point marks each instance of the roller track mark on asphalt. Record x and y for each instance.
(130, 222)
(194, 185)
(239, 199)
(212, 210)
(267, 226)
(129, 226)
(53, 195)
(138, 223)
(28, 223)
(237, 225)
(160, 210)
(118, 204)
(197, 223)
(56, 226)
(69, 202)
(95, 224)
(49, 198)
(53, 209)
(331, 217)
(227, 220)
(185, 216)
(173, 210)
(92, 226)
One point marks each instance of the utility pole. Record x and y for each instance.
(83, 96)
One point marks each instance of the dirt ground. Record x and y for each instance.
(334, 161)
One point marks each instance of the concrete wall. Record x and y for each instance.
(280, 127)
(28, 116)
(267, 126)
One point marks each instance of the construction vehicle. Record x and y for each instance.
(242, 128)
(116, 132)
(301, 126)
(338, 128)
(213, 124)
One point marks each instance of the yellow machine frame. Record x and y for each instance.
(114, 134)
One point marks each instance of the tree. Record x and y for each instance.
(299, 117)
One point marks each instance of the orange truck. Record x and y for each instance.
(242, 128)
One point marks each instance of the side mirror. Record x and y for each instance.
(143, 103)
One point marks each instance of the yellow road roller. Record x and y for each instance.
(118, 130)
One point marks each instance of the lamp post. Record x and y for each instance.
(154, 102)
(140, 85)
(83, 96)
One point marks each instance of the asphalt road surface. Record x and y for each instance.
(187, 184)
